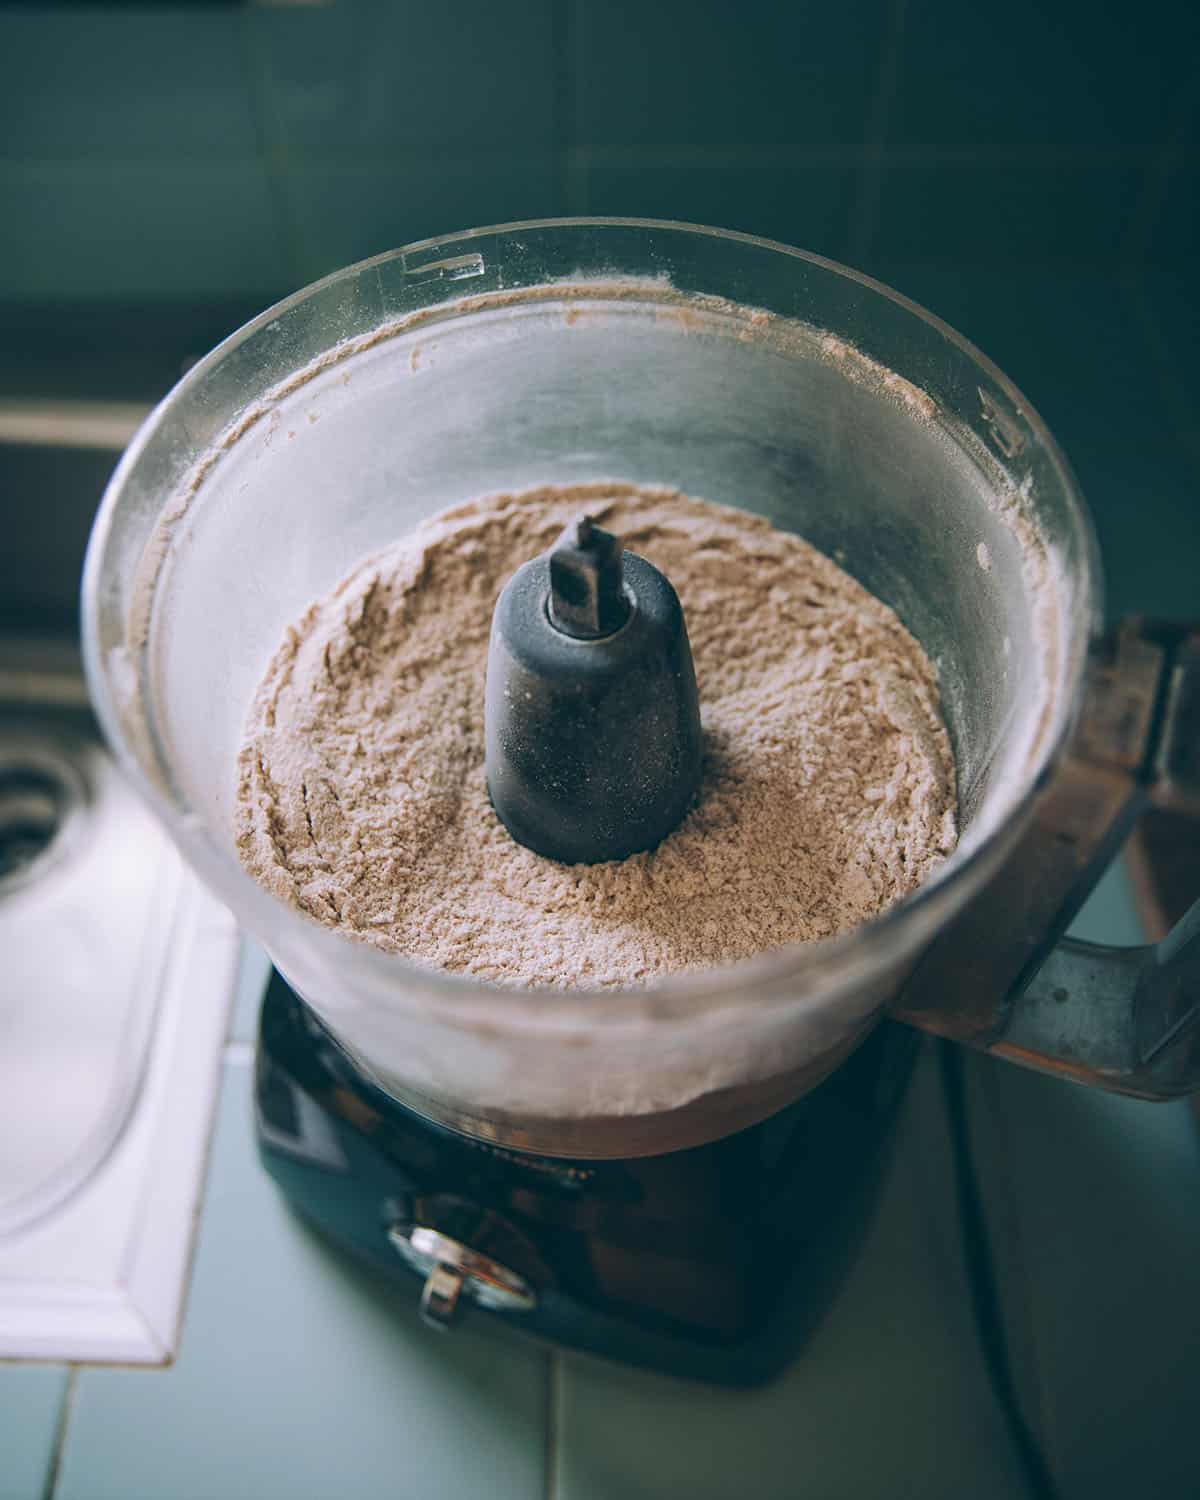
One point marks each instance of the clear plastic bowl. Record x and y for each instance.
(736, 369)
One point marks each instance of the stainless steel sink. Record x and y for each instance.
(116, 968)
(88, 895)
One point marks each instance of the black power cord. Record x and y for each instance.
(981, 1278)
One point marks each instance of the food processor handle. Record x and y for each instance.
(1003, 979)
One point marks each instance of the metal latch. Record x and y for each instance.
(453, 1270)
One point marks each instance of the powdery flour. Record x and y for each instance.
(828, 787)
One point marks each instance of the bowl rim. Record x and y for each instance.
(817, 970)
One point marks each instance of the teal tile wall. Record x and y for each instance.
(1042, 212)
(371, 76)
(1039, 74)
(1165, 299)
(1173, 219)
(1108, 373)
(1031, 175)
(106, 84)
(198, 155)
(800, 202)
(166, 155)
(344, 211)
(140, 232)
(725, 72)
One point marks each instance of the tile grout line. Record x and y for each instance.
(864, 214)
(1162, 362)
(272, 154)
(562, 46)
(677, 153)
(991, 1330)
(1157, 176)
(205, 1183)
(59, 1443)
(1137, 246)
(550, 1445)
(982, 1095)
(574, 158)
(576, 183)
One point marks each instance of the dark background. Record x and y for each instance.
(1028, 170)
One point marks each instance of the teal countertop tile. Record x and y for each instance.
(1109, 916)
(890, 1397)
(1094, 1219)
(300, 1376)
(31, 1398)
(254, 969)
(371, 76)
(1094, 1215)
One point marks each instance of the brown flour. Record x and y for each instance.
(828, 788)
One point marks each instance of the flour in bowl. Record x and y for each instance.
(828, 790)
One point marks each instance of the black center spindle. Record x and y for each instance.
(592, 722)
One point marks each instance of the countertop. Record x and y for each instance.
(301, 1376)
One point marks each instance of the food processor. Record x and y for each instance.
(675, 1175)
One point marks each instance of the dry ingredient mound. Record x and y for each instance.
(828, 788)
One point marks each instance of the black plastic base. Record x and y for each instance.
(714, 1263)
